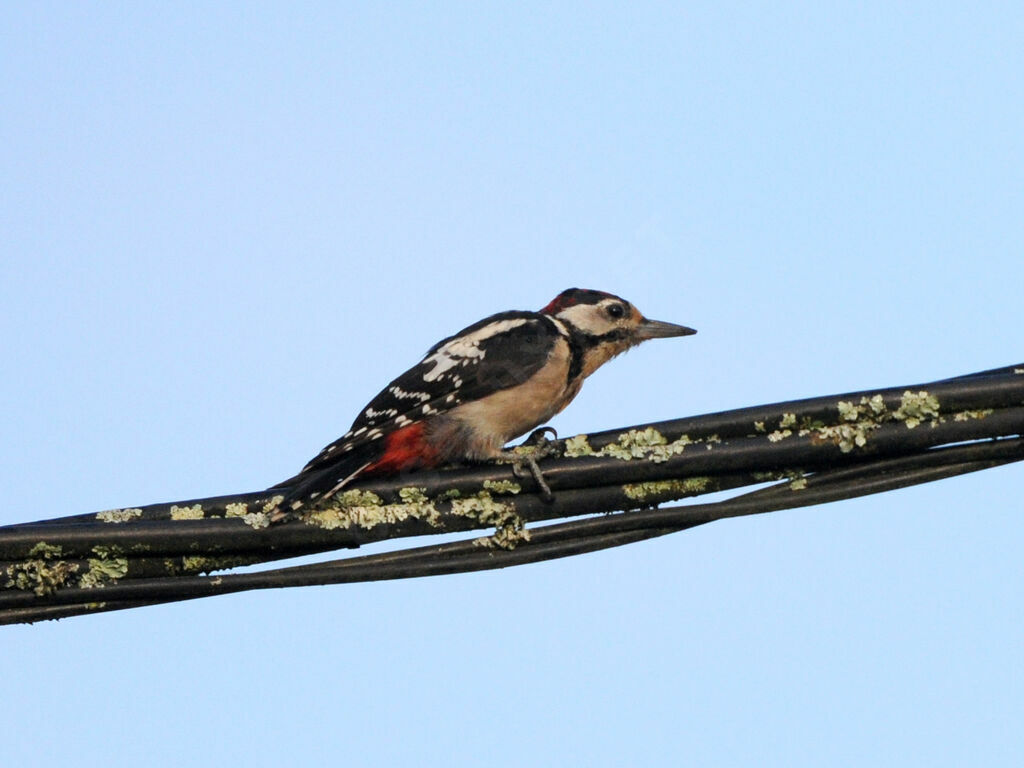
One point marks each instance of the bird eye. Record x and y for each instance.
(616, 311)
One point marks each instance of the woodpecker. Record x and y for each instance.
(473, 392)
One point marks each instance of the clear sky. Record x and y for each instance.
(224, 227)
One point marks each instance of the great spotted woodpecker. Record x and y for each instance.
(474, 391)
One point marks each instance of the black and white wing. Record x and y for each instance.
(496, 353)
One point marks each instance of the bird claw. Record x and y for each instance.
(539, 439)
(525, 465)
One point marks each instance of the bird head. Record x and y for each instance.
(606, 325)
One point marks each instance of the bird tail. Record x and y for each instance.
(406, 448)
(313, 485)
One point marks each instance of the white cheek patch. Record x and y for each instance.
(466, 349)
(589, 318)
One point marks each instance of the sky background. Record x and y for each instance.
(224, 227)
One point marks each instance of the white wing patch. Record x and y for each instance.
(401, 394)
(387, 412)
(466, 349)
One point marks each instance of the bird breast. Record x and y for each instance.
(479, 429)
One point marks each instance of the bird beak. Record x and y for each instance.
(655, 329)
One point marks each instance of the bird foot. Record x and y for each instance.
(524, 462)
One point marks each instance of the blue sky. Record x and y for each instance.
(224, 227)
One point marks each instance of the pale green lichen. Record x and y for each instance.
(507, 536)
(42, 572)
(665, 452)
(261, 518)
(104, 551)
(108, 565)
(861, 419)
(578, 446)
(798, 484)
(648, 444)
(509, 527)
(694, 485)
(46, 551)
(194, 512)
(848, 411)
(788, 420)
(367, 510)
(869, 408)
(503, 487)
(846, 436)
(330, 519)
(413, 495)
(236, 509)
(759, 426)
(968, 415)
(483, 508)
(665, 490)
(208, 564)
(40, 576)
(103, 570)
(363, 509)
(118, 515)
(635, 444)
(876, 404)
(779, 434)
(354, 497)
(255, 520)
(200, 564)
(917, 407)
